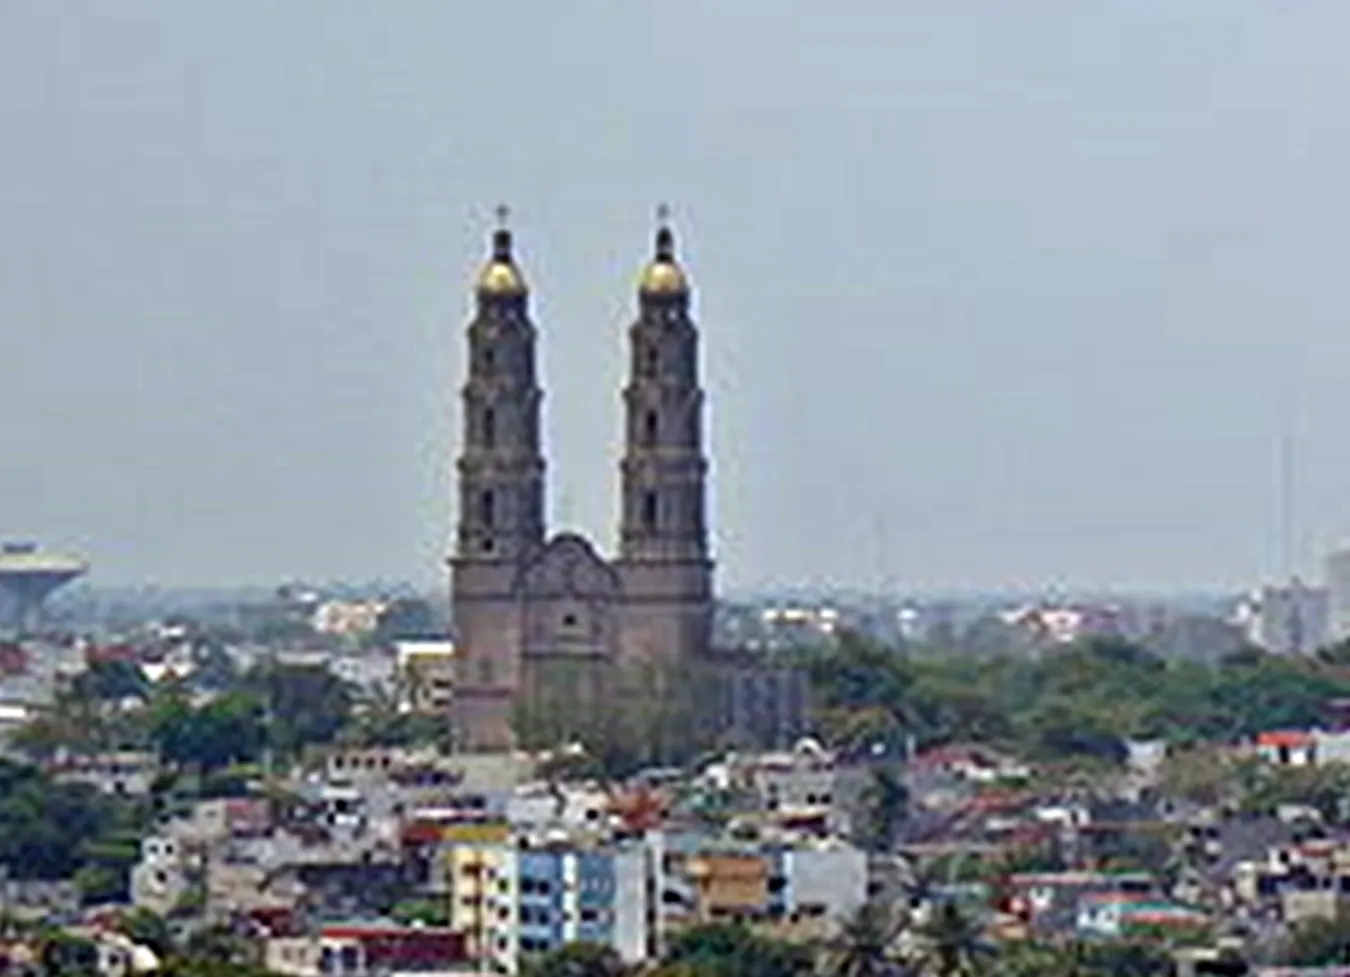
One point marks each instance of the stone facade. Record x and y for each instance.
(536, 615)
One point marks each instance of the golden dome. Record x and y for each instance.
(501, 278)
(663, 278)
(663, 275)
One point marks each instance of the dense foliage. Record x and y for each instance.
(53, 831)
(878, 941)
(282, 707)
(1083, 700)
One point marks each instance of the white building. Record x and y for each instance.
(1289, 619)
(426, 675)
(547, 898)
(1338, 592)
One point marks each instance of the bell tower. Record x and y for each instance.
(663, 535)
(501, 496)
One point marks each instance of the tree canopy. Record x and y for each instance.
(1084, 700)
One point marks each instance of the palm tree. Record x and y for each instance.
(866, 944)
(1028, 959)
(952, 943)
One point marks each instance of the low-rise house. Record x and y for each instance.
(119, 956)
(1303, 747)
(1287, 747)
(801, 887)
(972, 763)
(365, 949)
(165, 874)
(1051, 899)
(426, 676)
(130, 773)
(804, 778)
(1119, 914)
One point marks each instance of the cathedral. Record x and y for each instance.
(538, 614)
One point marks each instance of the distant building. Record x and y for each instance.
(1337, 574)
(1289, 619)
(758, 703)
(128, 773)
(28, 577)
(426, 676)
(348, 617)
(800, 891)
(362, 948)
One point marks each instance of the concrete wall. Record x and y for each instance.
(834, 878)
(631, 908)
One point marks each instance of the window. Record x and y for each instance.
(487, 509)
(489, 428)
(651, 360)
(569, 620)
(649, 512)
(489, 359)
(650, 428)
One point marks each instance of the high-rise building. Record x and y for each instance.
(1338, 592)
(1289, 619)
(538, 615)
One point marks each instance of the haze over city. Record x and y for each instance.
(1039, 286)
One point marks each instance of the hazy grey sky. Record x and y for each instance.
(1036, 281)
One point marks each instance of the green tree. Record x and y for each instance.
(886, 805)
(222, 946)
(952, 943)
(214, 669)
(305, 705)
(379, 719)
(866, 944)
(63, 955)
(1125, 958)
(576, 960)
(226, 730)
(44, 826)
(1317, 943)
(734, 950)
(1081, 701)
(148, 929)
(112, 680)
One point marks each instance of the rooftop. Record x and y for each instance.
(25, 558)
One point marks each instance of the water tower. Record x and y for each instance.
(28, 577)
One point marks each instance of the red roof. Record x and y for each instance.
(110, 653)
(1285, 737)
(421, 833)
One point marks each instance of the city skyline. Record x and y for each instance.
(1044, 292)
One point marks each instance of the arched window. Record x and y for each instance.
(489, 428)
(650, 428)
(489, 359)
(651, 360)
(487, 509)
(649, 511)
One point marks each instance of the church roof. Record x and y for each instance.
(663, 274)
(501, 275)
